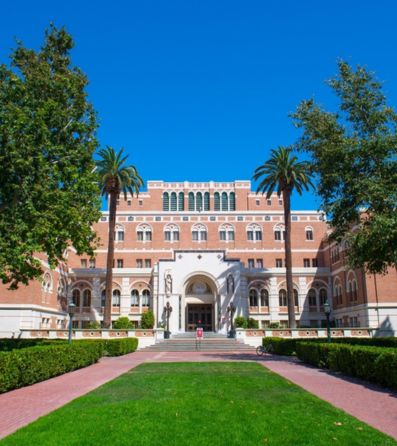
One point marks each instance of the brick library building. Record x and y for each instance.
(201, 247)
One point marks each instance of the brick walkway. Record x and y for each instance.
(368, 403)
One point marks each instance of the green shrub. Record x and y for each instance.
(94, 325)
(122, 323)
(274, 325)
(281, 346)
(117, 347)
(240, 322)
(147, 319)
(253, 323)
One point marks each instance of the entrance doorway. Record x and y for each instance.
(200, 314)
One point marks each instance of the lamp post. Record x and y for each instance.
(167, 311)
(231, 309)
(327, 311)
(71, 309)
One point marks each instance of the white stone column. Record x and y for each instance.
(125, 300)
(273, 300)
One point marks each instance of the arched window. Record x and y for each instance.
(87, 298)
(171, 233)
(199, 233)
(134, 298)
(354, 289)
(232, 201)
(254, 232)
(145, 298)
(226, 233)
(173, 202)
(144, 233)
(309, 233)
(279, 232)
(103, 298)
(296, 298)
(119, 233)
(181, 201)
(76, 297)
(116, 298)
(323, 296)
(253, 297)
(312, 297)
(191, 201)
(199, 201)
(264, 298)
(206, 201)
(217, 201)
(225, 202)
(166, 201)
(282, 298)
(47, 283)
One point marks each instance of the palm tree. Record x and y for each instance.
(114, 177)
(285, 173)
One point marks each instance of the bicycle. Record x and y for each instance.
(262, 349)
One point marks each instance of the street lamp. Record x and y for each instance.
(327, 311)
(167, 311)
(71, 309)
(231, 309)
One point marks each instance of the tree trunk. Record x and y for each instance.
(288, 258)
(107, 316)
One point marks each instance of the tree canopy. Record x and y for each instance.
(49, 197)
(354, 155)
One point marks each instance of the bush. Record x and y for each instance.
(147, 319)
(375, 364)
(117, 347)
(253, 323)
(122, 323)
(94, 325)
(240, 322)
(281, 346)
(274, 325)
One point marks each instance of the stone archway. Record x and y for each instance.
(200, 301)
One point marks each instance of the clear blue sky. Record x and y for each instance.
(201, 90)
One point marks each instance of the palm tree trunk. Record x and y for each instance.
(107, 317)
(288, 258)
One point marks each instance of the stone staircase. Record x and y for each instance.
(212, 342)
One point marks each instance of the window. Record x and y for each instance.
(171, 233)
(92, 263)
(181, 201)
(144, 233)
(207, 201)
(120, 236)
(264, 298)
(173, 202)
(323, 296)
(282, 298)
(312, 297)
(225, 202)
(76, 297)
(309, 233)
(83, 263)
(269, 202)
(232, 201)
(253, 297)
(145, 298)
(199, 233)
(279, 263)
(277, 235)
(259, 263)
(254, 232)
(191, 201)
(226, 233)
(296, 298)
(199, 201)
(120, 263)
(217, 201)
(128, 202)
(103, 298)
(139, 263)
(258, 202)
(306, 263)
(294, 218)
(134, 298)
(251, 263)
(315, 263)
(140, 202)
(279, 232)
(148, 263)
(280, 202)
(116, 298)
(87, 298)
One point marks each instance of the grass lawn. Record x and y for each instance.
(198, 404)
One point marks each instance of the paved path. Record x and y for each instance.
(368, 403)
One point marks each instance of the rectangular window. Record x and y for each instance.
(83, 263)
(148, 236)
(250, 235)
(258, 235)
(120, 236)
(306, 263)
(92, 263)
(309, 234)
(277, 235)
(139, 263)
(120, 263)
(203, 235)
(140, 202)
(279, 263)
(230, 234)
(129, 203)
(195, 236)
(176, 236)
(259, 263)
(251, 263)
(222, 235)
(140, 235)
(280, 202)
(269, 202)
(167, 236)
(314, 263)
(148, 263)
(258, 202)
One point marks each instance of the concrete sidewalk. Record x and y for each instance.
(371, 404)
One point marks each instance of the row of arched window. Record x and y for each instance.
(262, 297)
(351, 289)
(199, 201)
(84, 298)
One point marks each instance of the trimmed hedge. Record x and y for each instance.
(28, 363)
(375, 364)
(281, 346)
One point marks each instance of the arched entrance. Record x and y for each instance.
(200, 303)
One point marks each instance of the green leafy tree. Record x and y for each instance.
(354, 155)
(115, 178)
(147, 319)
(122, 323)
(241, 322)
(284, 173)
(49, 196)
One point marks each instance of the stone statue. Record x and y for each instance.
(230, 284)
(168, 285)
